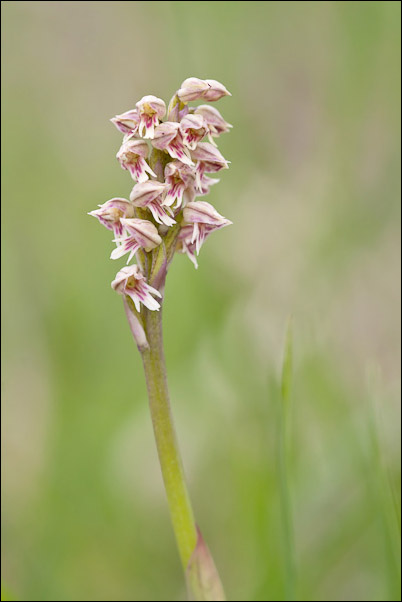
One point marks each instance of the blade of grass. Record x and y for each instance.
(388, 500)
(283, 461)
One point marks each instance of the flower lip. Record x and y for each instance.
(151, 109)
(204, 184)
(184, 244)
(168, 137)
(132, 155)
(179, 178)
(193, 129)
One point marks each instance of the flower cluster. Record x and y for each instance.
(168, 160)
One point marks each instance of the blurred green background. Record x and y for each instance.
(313, 191)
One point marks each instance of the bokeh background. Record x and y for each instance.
(313, 191)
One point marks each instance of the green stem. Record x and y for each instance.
(168, 450)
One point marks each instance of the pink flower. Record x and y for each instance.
(168, 138)
(132, 155)
(131, 281)
(214, 121)
(205, 184)
(209, 160)
(151, 194)
(185, 244)
(141, 234)
(150, 109)
(179, 177)
(208, 89)
(127, 122)
(193, 129)
(205, 220)
(111, 212)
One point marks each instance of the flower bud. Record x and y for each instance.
(216, 90)
(194, 88)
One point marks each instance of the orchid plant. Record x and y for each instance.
(168, 160)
